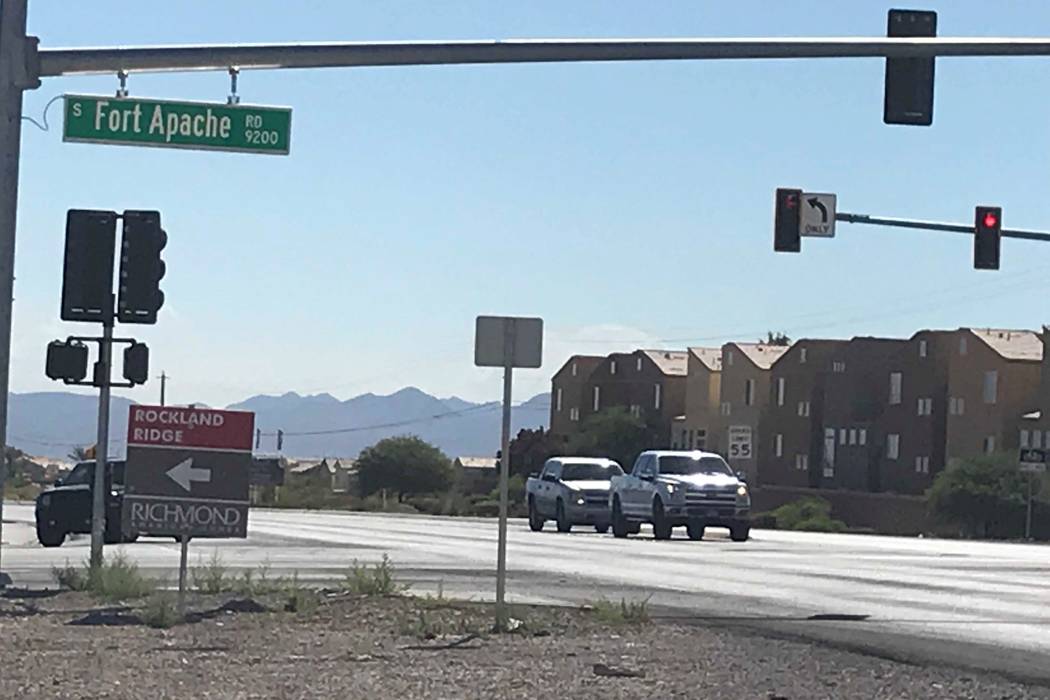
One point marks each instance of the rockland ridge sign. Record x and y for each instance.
(188, 471)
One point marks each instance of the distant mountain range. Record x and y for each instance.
(318, 425)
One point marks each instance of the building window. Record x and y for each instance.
(729, 357)
(597, 397)
(683, 443)
(842, 436)
(956, 406)
(838, 367)
(778, 445)
(574, 369)
(612, 367)
(726, 408)
(893, 446)
(700, 441)
(780, 391)
(802, 356)
(862, 436)
(749, 392)
(1024, 438)
(991, 386)
(802, 462)
(922, 348)
(829, 471)
(636, 411)
(574, 414)
(989, 444)
(922, 465)
(803, 408)
(925, 407)
(1037, 439)
(895, 388)
(962, 345)
(638, 365)
(853, 436)
(656, 396)
(557, 400)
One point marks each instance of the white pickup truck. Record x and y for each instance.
(670, 489)
(571, 491)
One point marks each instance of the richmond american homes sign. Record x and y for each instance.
(188, 471)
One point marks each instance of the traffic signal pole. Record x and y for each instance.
(103, 378)
(13, 80)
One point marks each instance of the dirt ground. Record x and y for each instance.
(69, 646)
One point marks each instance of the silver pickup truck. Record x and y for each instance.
(670, 489)
(571, 491)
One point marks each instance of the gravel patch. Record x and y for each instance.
(414, 648)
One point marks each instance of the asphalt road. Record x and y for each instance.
(971, 604)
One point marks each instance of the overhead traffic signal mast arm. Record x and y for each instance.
(1025, 234)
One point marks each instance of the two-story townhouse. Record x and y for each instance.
(994, 377)
(855, 398)
(1033, 429)
(743, 401)
(789, 453)
(569, 394)
(696, 429)
(650, 384)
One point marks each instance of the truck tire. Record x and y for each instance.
(50, 536)
(564, 524)
(740, 533)
(661, 527)
(601, 529)
(620, 526)
(695, 530)
(535, 521)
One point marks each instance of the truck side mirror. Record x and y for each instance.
(647, 476)
(742, 476)
(58, 482)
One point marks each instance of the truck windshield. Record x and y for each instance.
(81, 474)
(590, 472)
(689, 465)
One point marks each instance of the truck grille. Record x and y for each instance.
(709, 502)
(596, 498)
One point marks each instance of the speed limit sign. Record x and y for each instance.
(740, 442)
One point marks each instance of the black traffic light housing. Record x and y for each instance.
(908, 97)
(987, 237)
(136, 363)
(787, 221)
(139, 295)
(66, 361)
(87, 271)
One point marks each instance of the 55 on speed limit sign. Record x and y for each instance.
(740, 442)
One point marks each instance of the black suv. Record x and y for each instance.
(65, 508)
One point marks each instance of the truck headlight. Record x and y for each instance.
(45, 500)
(580, 501)
(741, 491)
(670, 488)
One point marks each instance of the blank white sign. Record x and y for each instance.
(498, 339)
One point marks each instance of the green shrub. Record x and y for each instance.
(161, 611)
(626, 612)
(211, 577)
(378, 580)
(118, 578)
(70, 577)
(809, 513)
(299, 598)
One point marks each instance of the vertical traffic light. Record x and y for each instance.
(908, 97)
(787, 221)
(987, 236)
(66, 361)
(141, 268)
(87, 273)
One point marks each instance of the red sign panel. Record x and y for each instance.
(190, 428)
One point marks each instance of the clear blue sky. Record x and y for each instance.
(627, 204)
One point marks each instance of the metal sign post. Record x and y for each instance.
(1032, 461)
(507, 342)
(103, 377)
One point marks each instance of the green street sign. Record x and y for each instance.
(205, 126)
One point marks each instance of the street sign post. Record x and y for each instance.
(507, 342)
(129, 121)
(1032, 461)
(187, 474)
(818, 215)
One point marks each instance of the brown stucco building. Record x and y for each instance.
(568, 393)
(744, 397)
(696, 430)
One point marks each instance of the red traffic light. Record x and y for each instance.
(990, 219)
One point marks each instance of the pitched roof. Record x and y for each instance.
(588, 362)
(477, 462)
(761, 355)
(671, 362)
(710, 357)
(1012, 344)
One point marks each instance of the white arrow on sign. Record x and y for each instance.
(184, 472)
